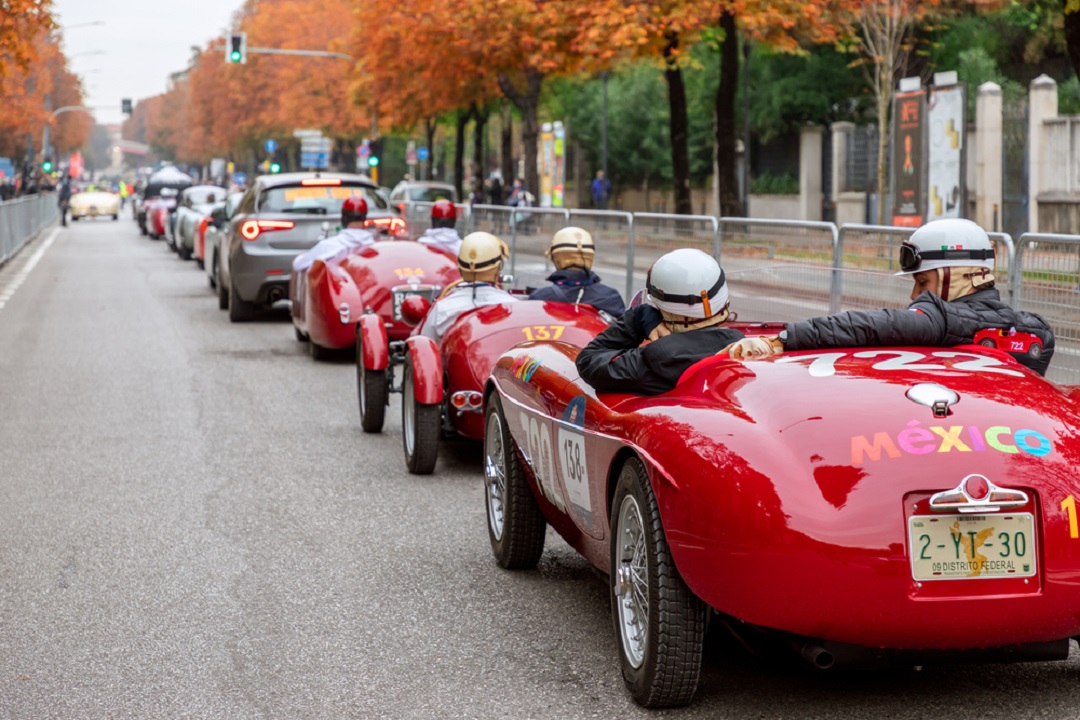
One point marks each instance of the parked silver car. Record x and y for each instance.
(279, 217)
(216, 231)
(194, 204)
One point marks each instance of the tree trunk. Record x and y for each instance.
(727, 182)
(1072, 38)
(528, 102)
(479, 123)
(678, 122)
(459, 152)
(506, 121)
(885, 77)
(429, 130)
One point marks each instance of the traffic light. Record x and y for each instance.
(375, 148)
(275, 167)
(236, 48)
(47, 165)
(125, 106)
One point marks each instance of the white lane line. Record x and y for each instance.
(24, 272)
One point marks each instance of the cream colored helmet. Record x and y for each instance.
(572, 247)
(480, 257)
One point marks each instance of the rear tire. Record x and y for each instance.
(317, 351)
(419, 428)
(182, 251)
(239, 310)
(300, 337)
(373, 392)
(516, 526)
(659, 622)
(222, 294)
(987, 342)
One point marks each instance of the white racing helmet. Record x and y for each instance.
(946, 243)
(689, 283)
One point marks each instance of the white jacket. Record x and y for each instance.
(446, 238)
(462, 298)
(334, 247)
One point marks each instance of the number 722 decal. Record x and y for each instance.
(824, 364)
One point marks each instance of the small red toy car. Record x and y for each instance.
(1011, 341)
(330, 296)
(442, 383)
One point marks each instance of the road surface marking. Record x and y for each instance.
(20, 276)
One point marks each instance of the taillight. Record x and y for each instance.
(391, 226)
(251, 229)
(320, 182)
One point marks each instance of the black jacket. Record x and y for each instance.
(928, 320)
(613, 362)
(581, 286)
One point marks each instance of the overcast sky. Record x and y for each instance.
(138, 45)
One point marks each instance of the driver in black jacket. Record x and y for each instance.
(951, 262)
(683, 319)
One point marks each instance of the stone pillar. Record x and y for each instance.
(988, 155)
(1042, 105)
(840, 132)
(810, 194)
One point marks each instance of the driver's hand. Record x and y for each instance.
(753, 347)
(659, 331)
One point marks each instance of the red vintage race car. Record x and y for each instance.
(442, 383)
(871, 504)
(1011, 341)
(330, 296)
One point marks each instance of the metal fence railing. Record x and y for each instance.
(1046, 280)
(786, 267)
(22, 219)
(418, 216)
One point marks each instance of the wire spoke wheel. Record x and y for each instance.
(516, 525)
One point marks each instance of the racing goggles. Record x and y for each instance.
(911, 258)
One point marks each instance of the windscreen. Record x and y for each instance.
(203, 195)
(315, 199)
(432, 194)
(154, 189)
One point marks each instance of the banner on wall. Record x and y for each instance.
(945, 127)
(909, 163)
(552, 164)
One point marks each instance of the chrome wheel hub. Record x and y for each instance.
(495, 475)
(630, 578)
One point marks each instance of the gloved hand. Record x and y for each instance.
(753, 347)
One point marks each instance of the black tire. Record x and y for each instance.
(987, 342)
(1035, 351)
(317, 351)
(516, 526)
(222, 294)
(239, 310)
(372, 390)
(142, 229)
(662, 670)
(420, 426)
(199, 262)
(182, 251)
(115, 217)
(300, 337)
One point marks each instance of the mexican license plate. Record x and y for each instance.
(401, 293)
(971, 547)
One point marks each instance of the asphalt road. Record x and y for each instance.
(193, 525)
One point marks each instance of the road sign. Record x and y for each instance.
(303, 133)
(270, 145)
(239, 178)
(410, 153)
(314, 160)
(422, 152)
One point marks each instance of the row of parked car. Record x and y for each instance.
(752, 498)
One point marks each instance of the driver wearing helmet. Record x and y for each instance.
(480, 260)
(687, 305)
(353, 235)
(442, 234)
(573, 281)
(952, 263)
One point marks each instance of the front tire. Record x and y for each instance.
(372, 390)
(659, 623)
(419, 428)
(516, 527)
(239, 310)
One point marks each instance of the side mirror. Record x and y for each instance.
(413, 309)
(506, 279)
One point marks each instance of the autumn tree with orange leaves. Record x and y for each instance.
(21, 22)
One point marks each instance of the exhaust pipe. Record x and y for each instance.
(275, 294)
(817, 656)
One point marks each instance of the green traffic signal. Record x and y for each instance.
(47, 166)
(235, 56)
(373, 161)
(275, 167)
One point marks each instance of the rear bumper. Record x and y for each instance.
(256, 275)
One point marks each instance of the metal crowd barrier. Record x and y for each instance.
(1046, 280)
(22, 219)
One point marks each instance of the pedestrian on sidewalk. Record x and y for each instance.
(601, 191)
